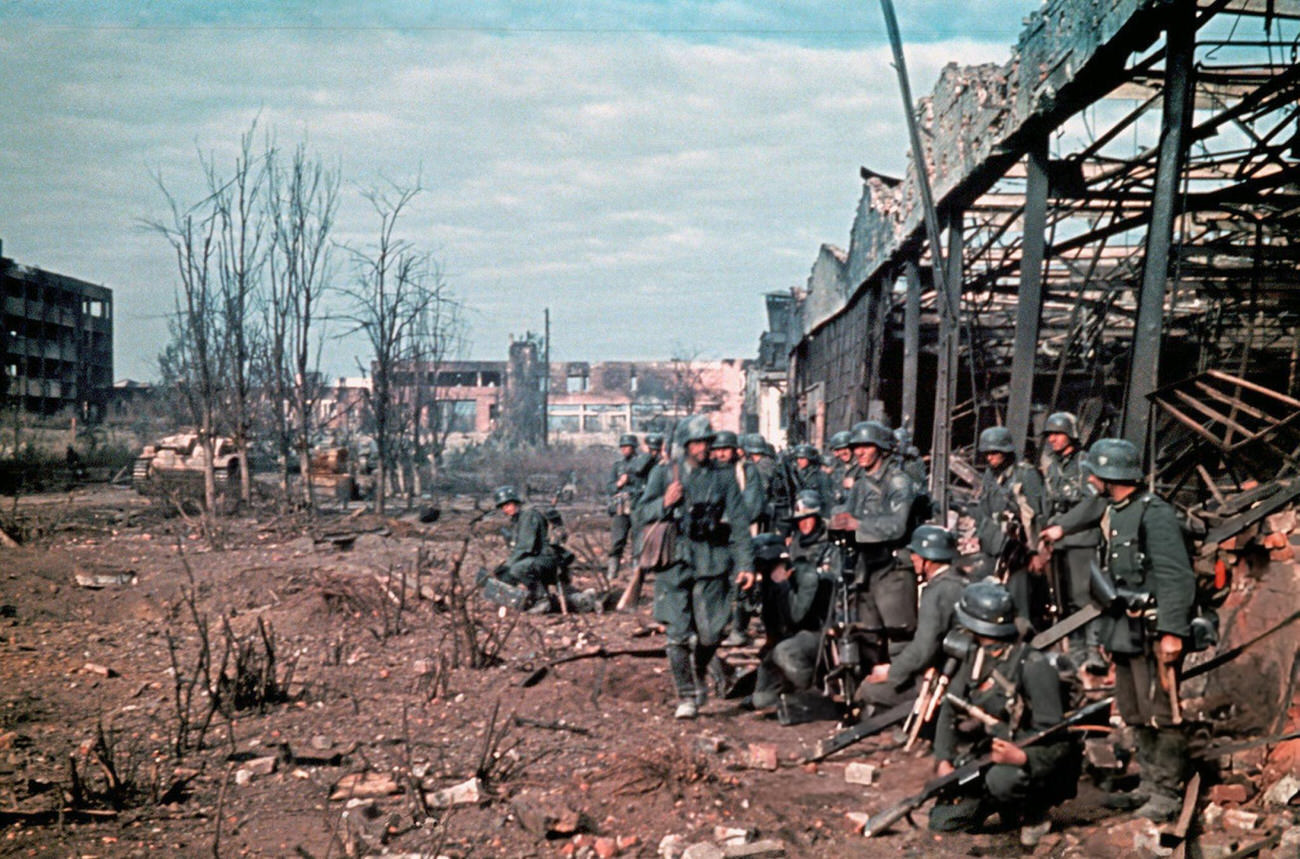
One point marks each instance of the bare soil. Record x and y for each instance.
(385, 681)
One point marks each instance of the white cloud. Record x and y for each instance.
(622, 179)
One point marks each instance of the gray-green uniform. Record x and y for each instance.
(881, 501)
(531, 563)
(794, 614)
(622, 499)
(1074, 504)
(934, 618)
(1018, 685)
(712, 546)
(1145, 553)
(1011, 501)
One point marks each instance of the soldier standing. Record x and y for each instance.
(808, 473)
(933, 550)
(531, 564)
(1146, 556)
(910, 457)
(654, 445)
(1071, 498)
(707, 518)
(1008, 516)
(758, 452)
(724, 451)
(1017, 685)
(626, 480)
(879, 516)
(797, 587)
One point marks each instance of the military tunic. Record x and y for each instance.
(794, 614)
(939, 598)
(1076, 505)
(1145, 553)
(881, 502)
(712, 546)
(531, 563)
(1014, 492)
(1018, 685)
(623, 499)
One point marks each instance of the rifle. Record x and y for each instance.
(846, 738)
(878, 823)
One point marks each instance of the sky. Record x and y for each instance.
(645, 170)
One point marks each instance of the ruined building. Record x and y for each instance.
(1119, 213)
(56, 340)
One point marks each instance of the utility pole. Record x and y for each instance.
(947, 287)
(546, 379)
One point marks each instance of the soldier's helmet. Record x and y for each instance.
(996, 440)
(627, 440)
(933, 543)
(872, 433)
(1116, 460)
(769, 550)
(769, 450)
(804, 451)
(694, 428)
(1062, 422)
(506, 494)
(986, 608)
(654, 440)
(807, 503)
(902, 437)
(839, 440)
(752, 442)
(724, 439)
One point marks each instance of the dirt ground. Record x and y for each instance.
(394, 681)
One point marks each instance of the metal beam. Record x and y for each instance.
(1144, 365)
(911, 341)
(1029, 306)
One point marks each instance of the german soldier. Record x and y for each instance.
(531, 564)
(712, 545)
(1147, 558)
(654, 445)
(880, 508)
(724, 449)
(1072, 499)
(797, 586)
(933, 550)
(1016, 685)
(626, 480)
(1008, 516)
(808, 473)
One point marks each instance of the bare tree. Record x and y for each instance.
(302, 201)
(196, 324)
(437, 336)
(393, 286)
(240, 221)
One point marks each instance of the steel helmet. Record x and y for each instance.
(933, 543)
(752, 442)
(654, 440)
(872, 433)
(769, 550)
(1116, 460)
(839, 440)
(804, 451)
(807, 503)
(1062, 422)
(506, 494)
(986, 608)
(996, 440)
(724, 439)
(627, 440)
(694, 428)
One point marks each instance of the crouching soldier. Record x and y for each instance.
(1147, 558)
(531, 564)
(1003, 690)
(797, 584)
(699, 510)
(933, 550)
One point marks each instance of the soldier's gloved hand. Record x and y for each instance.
(745, 579)
(1169, 648)
(673, 493)
(1006, 752)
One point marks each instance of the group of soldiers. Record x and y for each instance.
(861, 597)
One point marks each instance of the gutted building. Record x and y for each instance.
(56, 341)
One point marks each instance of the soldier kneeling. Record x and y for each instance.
(532, 563)
(1003, 690)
